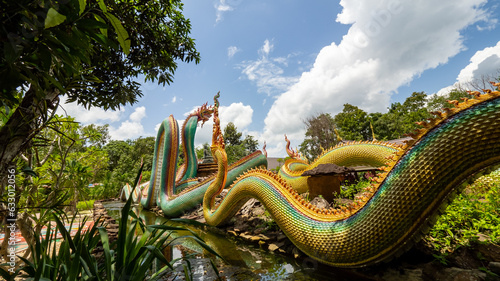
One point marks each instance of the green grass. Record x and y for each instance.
(85, 205)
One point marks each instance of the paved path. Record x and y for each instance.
(21, 244)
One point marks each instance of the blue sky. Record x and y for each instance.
(279, 62)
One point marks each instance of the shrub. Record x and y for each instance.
(474, 213)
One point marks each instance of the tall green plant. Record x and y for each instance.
(128, 258)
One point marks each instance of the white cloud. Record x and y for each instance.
(174, 99)
(128, 129)
(231, 51)
(138, 114)
(267, 72)
(94, 115)
(388, 44)
(483, 63)
(157, 127)
(221, 7)
(490, 23)
(238, 113)
(266, 48)
(131, 128)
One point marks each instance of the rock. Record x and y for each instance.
(264, 237)
(405, 274)
(483, 238)
(296, 253)
(254, 238)
(465, 258)
(249, 205)
(241, 225)
(232, 232)
(414, 274)
(273, 247)
(320, 203)
(281, 237)
(490, 252)
(278, 245)
(494, 267)
(258, 231)
(259, 211)
(459, 274)
(246, 236)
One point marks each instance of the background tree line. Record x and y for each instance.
(352, 123)
(66, 157)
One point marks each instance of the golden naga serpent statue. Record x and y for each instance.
(419, 180)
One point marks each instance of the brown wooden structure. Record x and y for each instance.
(325, 180)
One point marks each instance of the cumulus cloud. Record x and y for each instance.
(93, 115)
(238, 113)
(131, 128)
(157, 127)
(128, 129)
(231, 51)
(484, 63)
(388, 44)
(267, 72)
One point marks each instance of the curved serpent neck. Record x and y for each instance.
(188, 131)
(190, 166)
(164, 162)
(391, 214)
(175, 196)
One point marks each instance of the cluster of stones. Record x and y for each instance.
(252, 225)
(102, 217)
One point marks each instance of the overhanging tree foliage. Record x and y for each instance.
(88, 51)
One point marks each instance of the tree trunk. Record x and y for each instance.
(16, 135)
(22, 126)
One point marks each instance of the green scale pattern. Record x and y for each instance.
(173, 197)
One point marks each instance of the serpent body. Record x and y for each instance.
(389, 216)
(188, 169)
(176, 191)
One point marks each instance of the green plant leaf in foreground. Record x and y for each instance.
(123, 38)
(53, 18)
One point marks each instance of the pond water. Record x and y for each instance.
(244, 261)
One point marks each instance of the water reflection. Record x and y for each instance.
(246, 261)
